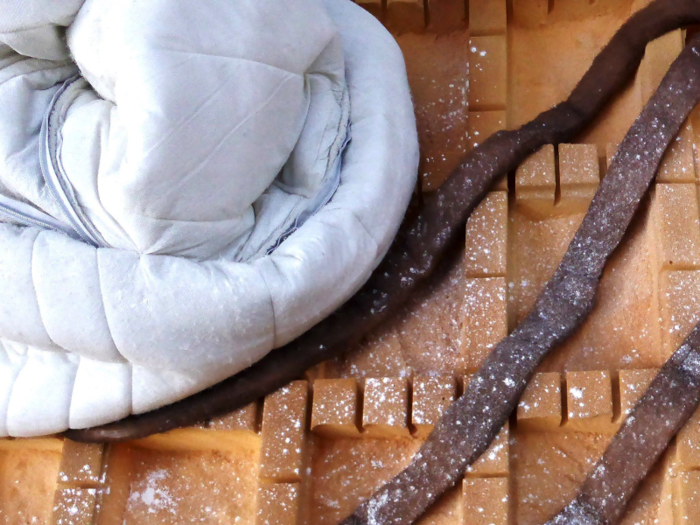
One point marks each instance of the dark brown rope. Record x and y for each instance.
(423, 241)
(471, 423)
(665, 407)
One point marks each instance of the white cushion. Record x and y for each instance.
(209, 158)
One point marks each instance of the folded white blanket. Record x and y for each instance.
(184, 186)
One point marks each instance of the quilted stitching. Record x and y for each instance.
(117, 272)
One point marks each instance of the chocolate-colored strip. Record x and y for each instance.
(423, 241)
(471, 423)
(665, 407)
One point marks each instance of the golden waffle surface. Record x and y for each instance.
(310, 452)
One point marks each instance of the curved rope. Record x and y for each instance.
(422, 242)
(470, 424)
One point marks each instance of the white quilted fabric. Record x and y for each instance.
(184, 186)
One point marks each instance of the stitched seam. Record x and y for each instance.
(131, 387)
(272, 303)
(357, 218)
(234, 218)
(36, 293)
(239, 59)
(72, 390)
(12, 391)
(182, 122)
(102, 303)
(226, 137)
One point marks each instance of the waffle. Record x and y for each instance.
(309, 453)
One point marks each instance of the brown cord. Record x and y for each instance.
(423, 241)
(471, 423)
(667, 404)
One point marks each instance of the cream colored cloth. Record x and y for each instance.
(184, 187)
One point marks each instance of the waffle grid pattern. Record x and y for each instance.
(309, 452)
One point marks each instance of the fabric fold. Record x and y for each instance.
(205, 196)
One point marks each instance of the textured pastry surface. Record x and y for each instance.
(309, 453)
